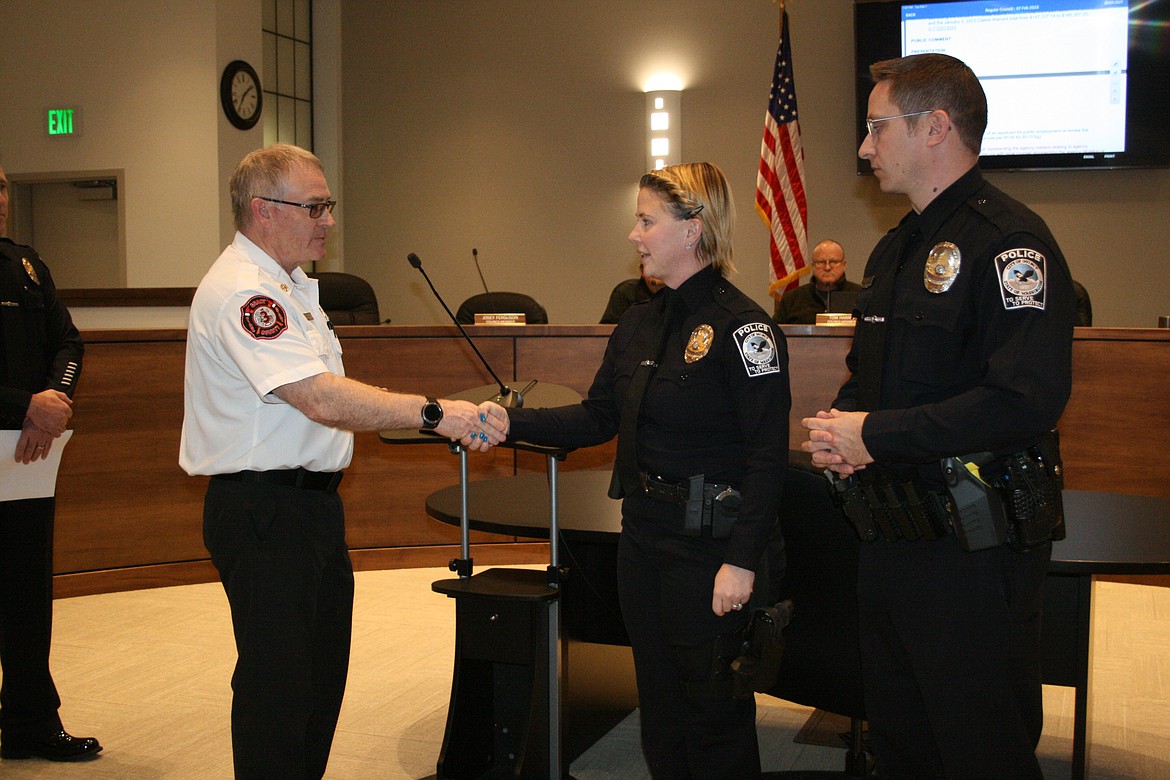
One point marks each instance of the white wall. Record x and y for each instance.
(512, 126)
(146, 79)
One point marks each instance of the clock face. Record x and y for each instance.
(239, 92)
(245, 95)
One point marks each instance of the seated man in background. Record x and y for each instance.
(627, 293)
(801, 305)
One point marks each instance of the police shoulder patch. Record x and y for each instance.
(263, 318)
(1022, 278)
(757, 349)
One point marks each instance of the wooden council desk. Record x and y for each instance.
(128, 517)
(1107, 533)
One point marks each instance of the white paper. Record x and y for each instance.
(28, 480)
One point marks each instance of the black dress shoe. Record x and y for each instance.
(59, 746)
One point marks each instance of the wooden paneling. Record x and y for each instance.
(127, 515)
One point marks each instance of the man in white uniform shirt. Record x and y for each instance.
(269, 414)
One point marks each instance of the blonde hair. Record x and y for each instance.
(265, 172)
(699, 191)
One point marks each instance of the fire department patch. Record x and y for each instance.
(263, 317)
(1021, 278)
(757, 349)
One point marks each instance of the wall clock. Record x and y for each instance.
(239, 92)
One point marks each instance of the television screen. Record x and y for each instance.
(1069, 83)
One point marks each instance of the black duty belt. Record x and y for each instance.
(298, 478)
(676, 491)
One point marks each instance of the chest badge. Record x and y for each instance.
(28, 269)
(700, 343)
(942, 267)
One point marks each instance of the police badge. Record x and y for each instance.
(699, 344)
(942, 267)
(28, 269)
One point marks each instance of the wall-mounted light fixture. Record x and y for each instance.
(663, 128)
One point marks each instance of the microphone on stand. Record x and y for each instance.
(507, 397)
(475, 257)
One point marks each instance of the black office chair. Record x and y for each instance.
(347, 299)
(502, 302)
(821, 666)
(1084, 305)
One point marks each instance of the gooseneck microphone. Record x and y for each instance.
(475, 257)
(509, 398)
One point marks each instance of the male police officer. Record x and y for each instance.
(269, 414)
(40, 359)
(963, 345)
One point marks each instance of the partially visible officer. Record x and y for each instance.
(963, 348)
(39, 363)
(801, 305)
(694, 384)
(269, 414)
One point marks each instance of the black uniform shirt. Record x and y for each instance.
(724, 414)
(985, 365)
(41, 347)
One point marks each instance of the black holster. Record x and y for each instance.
(758, 666)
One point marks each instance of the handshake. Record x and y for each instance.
(475, 427)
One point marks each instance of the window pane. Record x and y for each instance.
(284, 17)
(285, 72)
(304, 20)
(304, 124)
(287, 119)
(268, 75)
(304, 68)
(269, 22)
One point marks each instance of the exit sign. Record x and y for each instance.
(61, 121)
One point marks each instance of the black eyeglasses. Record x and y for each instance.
(315, 209)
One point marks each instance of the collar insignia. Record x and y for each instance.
(699, 343)
(942, 267)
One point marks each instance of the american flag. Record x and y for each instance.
(780, 183)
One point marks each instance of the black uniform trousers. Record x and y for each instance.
(28, 697)
(665, 582)
(282, 558)
(950, 646)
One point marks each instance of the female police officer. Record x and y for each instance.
(695, 384)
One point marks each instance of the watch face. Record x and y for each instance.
(239, 92)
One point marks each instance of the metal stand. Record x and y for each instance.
(504, 717)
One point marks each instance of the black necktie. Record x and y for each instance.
(625, 478)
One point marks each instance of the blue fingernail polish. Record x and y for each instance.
(482, 417)
(483, 436)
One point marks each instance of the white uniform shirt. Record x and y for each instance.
(253, 328)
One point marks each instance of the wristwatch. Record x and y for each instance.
(432, 414)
